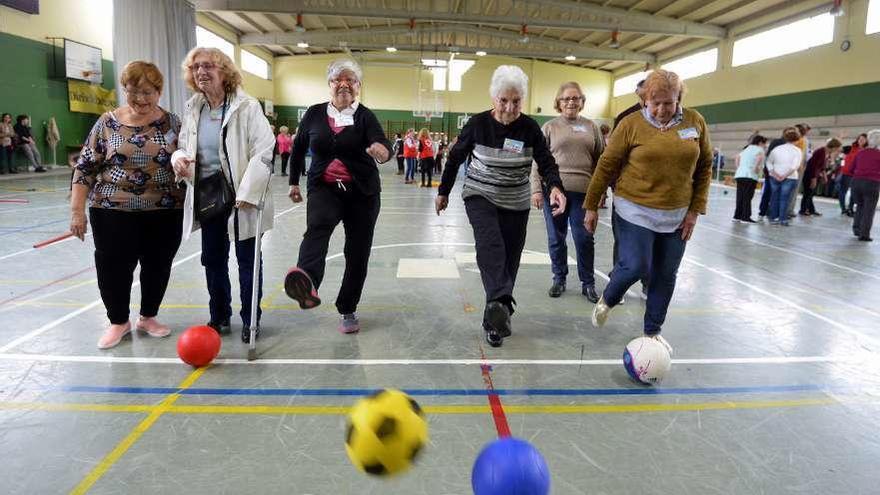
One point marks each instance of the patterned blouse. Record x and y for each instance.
(129, 168)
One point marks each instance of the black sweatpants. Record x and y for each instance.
(866, 193)
(427, 166)
(745, 191)
(499, 235)
(807, 206)
(285, 158)
(326, 206)
(122, 240)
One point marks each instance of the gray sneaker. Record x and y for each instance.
(600, 313)
(349, 324)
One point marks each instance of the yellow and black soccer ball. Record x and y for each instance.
(385, 433)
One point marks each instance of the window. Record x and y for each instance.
(208, 39)
(254, 64)
(694, 65)
(790, 38)
(873, 25)
(627, 85)
(454, 69)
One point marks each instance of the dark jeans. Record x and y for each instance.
(427, 167)
(215, 259)
(327, 205)
(766, 194)
(615, 255)
(643, 251)
(807, 206)
(410, 169)
(122, 240)
(745, 191)
(6, 163)
(400, 165)
(499, 238)
(865, 193)
(781, 192)
(557, 231)
(285, 159)
(845, 182)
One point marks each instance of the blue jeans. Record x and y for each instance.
(780, 194)
(215, 259)
(410, 169)
(643, 252)
(557, 231)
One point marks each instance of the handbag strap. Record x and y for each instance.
(223, 142)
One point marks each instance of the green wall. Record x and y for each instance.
(843, 100)
(28, 86)
(393, 120)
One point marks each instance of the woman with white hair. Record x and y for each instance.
(501, 144)
(866, 186)
(347, 141)
(225, 155)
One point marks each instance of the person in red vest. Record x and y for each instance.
(410, 154)
(426, 157)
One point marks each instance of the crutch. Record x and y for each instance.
(255, 286)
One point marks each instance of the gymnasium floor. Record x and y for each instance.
(773, 388)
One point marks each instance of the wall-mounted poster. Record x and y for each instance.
(26, 6)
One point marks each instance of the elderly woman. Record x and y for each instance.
(662, 159)
(501, 144)
(783, 164)
(347, 141)
(814, 174)
(135, 205)
(284, 143)
(576, 144)
(225, 156)
(26, 142)
(866, 186)
(7, 133)
(749, 163)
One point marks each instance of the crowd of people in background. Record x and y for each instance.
(19, 137)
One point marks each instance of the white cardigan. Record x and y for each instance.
(249, 141)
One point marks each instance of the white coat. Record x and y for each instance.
(249, 141)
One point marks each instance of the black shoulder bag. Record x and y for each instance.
(215, 196)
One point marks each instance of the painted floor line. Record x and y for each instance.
(766, 360)
(429, 409)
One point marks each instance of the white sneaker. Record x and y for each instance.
(659, 338)
(600, 313)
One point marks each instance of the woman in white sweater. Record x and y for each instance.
(783, 164)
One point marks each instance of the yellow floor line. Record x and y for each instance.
(167, 407)
(126, 443)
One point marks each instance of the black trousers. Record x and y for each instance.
(766, 193)
(865, 193)
(499, 235)
(326, 206)
(122, 240)
(745, 191)
(399, 164)
(807, 205)
(427, 166)
(285, 158)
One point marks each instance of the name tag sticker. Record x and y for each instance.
(513, 145)
(170, 137)
(344, 120)
(578, 128)
(689, 133)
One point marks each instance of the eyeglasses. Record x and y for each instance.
(340, 80)
(572, 99)
(140, 94)
(207, 66)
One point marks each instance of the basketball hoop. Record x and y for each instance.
(428, 116)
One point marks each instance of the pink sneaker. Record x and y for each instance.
(299, 286)
(152, 327)
(349, 324)
(114, 335)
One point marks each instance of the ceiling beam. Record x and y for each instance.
(569, 15)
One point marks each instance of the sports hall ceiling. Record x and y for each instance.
(645, 30)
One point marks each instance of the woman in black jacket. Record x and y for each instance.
(346, 141)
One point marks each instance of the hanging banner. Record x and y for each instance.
(90, 98)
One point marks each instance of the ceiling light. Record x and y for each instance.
(391, 49)
(481, 53)
(302, 45)
(615, 41)
(299, 28)
(570, 58)
(836, 9)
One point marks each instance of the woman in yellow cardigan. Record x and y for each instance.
(662, 159)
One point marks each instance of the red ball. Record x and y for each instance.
(198, 345)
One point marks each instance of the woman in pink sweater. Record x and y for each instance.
(285, 146)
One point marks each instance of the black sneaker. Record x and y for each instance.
(39, 169)
(246, 334)
(493, 337)
(299, 286)
(590, 292)
(223, 327)
(496, 323)
(556, 289)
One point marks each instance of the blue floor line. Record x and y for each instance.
(533, 392)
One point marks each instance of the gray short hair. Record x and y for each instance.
(508, 77)
(874, 138)
(341, 65)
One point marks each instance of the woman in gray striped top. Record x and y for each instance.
(501, 144)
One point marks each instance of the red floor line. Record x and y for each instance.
(62, 279)
(498, 415)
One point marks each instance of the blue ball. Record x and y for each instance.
(510, 466)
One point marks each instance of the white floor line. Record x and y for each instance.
(31, 250)
(819, 199)
(430, 362)
(599, 273)
(45, 328)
